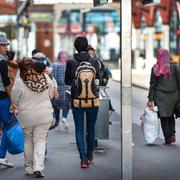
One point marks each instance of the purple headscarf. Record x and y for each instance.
(63, 57)
(162, 67)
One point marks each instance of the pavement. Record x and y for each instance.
(155, 162)
(140, 77)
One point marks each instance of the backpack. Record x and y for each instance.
(87, 94)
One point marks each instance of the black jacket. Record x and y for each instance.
(72, 65)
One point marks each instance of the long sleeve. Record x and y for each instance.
(16, 91)
(4, 73)
(177, 73)
(153, 82)
(68, 74)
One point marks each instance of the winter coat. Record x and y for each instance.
(59, 74)
(165, 91)
(34, 108)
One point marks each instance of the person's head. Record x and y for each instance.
(3, 44)
(81, 44)
(163, 55)
(91, 51)
(63, 57)
(35, 51)
(35, 81)
(39, 56)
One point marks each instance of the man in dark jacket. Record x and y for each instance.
(86, 156)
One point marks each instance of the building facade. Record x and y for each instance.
(155, 27)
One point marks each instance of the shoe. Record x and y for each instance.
(38, 174)
(166, 143)
(5, 162)
(84, 164)
(54, 126)
(29, 170)
(90, 160)
(173, 139)
(65, 124)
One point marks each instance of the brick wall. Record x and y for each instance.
(7, 7)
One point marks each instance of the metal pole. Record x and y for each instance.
(126, 124)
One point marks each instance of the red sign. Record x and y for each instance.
(178, 32)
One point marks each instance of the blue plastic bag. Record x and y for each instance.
(15, 139)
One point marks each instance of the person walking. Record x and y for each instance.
(164, 92)
(72, 68)
(33, 90)
(62, 103)
(5, 102)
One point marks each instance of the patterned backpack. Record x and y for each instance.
(87, 94)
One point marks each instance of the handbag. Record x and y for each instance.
(177, 109)
(15, 136)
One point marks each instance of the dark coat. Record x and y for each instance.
(165, 91)
(72, 65)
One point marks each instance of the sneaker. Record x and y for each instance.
(5, 162)
(29, 170)
(173, 139)
(65, 124)
(84, 164)
(38, 174)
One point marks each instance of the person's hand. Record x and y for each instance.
(0, 132)
(13, 107)
(150, 104)
(56, 94)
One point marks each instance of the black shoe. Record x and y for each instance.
(38, 174)
(112, 109)
(54, 126)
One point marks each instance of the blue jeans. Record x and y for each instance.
(65, 111)
(5, 116)
(91, 116)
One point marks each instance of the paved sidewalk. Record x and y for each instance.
(140, 78)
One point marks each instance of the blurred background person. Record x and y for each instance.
(62, 103)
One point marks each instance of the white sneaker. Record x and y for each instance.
(57, 128)
(65, 124)
(5, 162)
(29, 170)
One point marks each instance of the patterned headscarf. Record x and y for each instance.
(37, 82)
(162, 67)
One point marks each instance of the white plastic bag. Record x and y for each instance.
(150, 125)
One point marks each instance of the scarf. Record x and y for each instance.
(162, 67)
(37, 82)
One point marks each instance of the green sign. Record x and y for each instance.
(41, 17)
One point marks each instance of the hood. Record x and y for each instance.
(3, 57)
(82, 57)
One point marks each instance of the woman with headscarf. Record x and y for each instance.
(31, 94)
(164, 92)
(62, 103)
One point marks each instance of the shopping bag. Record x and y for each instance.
(15, 137)
(150, 125)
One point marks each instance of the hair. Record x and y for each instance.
(35, 51)
(81, 44)
(39, 67)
